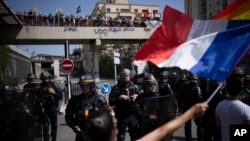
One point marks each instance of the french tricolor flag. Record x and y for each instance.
(207, 48)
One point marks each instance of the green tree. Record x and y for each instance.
(77, 51)
(4, 58)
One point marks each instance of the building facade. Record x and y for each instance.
(118, 9)
(205, 9)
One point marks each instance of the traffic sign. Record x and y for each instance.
(67, 65)
(116, 60)
(116, 54)
(105, 88)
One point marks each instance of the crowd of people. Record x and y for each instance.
(32, 18)
(147, 113)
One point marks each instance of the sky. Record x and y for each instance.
(69, 7)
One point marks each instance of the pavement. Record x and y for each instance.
(66, 134)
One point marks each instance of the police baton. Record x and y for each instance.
(215, 91)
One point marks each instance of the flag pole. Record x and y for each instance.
(215, 91)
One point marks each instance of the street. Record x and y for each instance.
(66, 134)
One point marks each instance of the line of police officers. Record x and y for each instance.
(28, 114)
(138, 111)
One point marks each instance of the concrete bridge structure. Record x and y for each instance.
(12, 32)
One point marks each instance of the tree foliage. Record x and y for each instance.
(4, 58)
(77, 51)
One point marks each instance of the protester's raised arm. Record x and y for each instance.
(171, 126)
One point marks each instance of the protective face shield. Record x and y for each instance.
(44, 76)
(193, 79)
(86, 82)
(150, 84)
(174, 75)
(125, 75)
(164, 75)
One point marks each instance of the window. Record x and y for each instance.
(117, 9)
(108, 10)
(155, 11)
(136, 10)
(124, 10)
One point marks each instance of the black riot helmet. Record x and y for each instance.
(164, 75)
(30, 77)
(174, 75)
(44, 75)
(35, 81)
(7, 93)
(86, 79)
(193, 77)
(125, 73)
(149, 81)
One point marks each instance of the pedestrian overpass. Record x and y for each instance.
(42, 35)
(12, 32)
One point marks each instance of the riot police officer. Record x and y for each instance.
(52, 93)
(79, 105)
(7, 113)
(122, 97)
(32, 81)
(150, 90)
(29, 113)
(189, 95)
(164, 86)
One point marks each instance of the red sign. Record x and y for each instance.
(67, 65)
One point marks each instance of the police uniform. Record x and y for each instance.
(164, 86)
(124, 108)
(50, 104)
(189, 95)
(148, 81)
(78, 106)
(7, 113)
(29, 112)
(211, 131)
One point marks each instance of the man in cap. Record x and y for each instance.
(79, 105)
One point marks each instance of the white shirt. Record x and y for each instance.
(231, 113)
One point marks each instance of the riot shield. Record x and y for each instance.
(29, 115)
(7, 115)
(156, 112)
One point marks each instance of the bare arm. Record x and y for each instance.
(171, 126)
